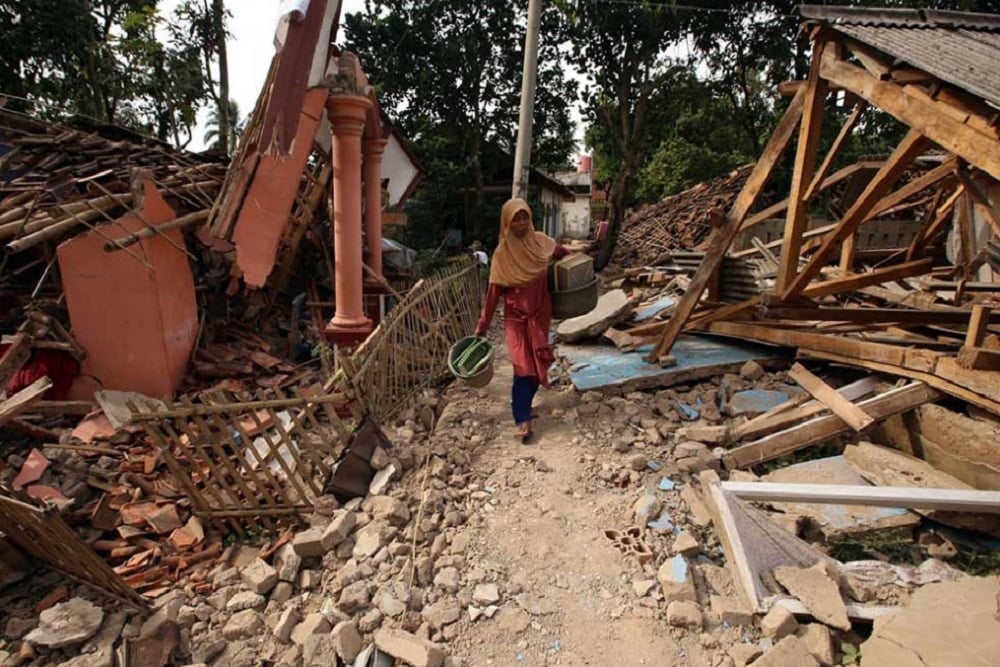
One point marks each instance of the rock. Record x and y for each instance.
(338, 529)
(309, 543)
(612, 308)
(643, 587)
(380, 482)
(66, 624)
(743, 654)
(696, 505)
(409, 648)
(449, 579)
(486, 594)
(245, 600)
(260, 577)
(730, 611)
(692, 449)
(370, 539)
(789, 652)
(442, 613)
(289, 618)
(817, 591)
(686, 545)
(282, 592)
(313, 624)
(379, 458)
(287, 563)
(638, 462)
(778, 623)
(818, 641)
(354, 597)
(752, 371)
(390, 509)
(18, 627)
(319, 651)
(308, 580)
(390, 606)
(347, 641)
(676, 581)
(243, 625)
(326, 505)
(646, 508)
(684, 614)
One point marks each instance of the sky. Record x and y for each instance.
(250, 48)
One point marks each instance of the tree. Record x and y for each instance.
(104, 59)
(448, 73)
(220, 137)
(625, 51)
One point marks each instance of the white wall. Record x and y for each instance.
(576, 218)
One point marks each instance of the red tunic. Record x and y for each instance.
(527, 314)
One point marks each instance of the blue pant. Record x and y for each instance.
(522, 392)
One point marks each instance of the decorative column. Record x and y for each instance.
(372, 172)
(349, 325)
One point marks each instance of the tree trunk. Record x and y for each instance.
(226, 135)
(619, 193)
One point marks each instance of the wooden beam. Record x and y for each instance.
(876, 496)
(876, 277)
(992, 215)
(851, 414)
(723, 237)
(979, 358)
(978, 322)
(925, 116)
(870, 315)
(934, 224)
(935, 175)
(910, 147)
(802, 174)
(22, 400)
(828, 182)
(845, 132)
(823, 428)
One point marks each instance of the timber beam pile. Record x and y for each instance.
(57, 181)
(890, 318)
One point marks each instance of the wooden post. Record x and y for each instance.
(723, 237)
(910, 147)
(977, 326)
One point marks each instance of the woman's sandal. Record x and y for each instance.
(528, 438)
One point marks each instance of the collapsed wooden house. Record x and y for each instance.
(935, 73)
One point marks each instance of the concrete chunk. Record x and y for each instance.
(818, 642)
(817, 591)
(409, 648)
(730, 611)
(676, 581)
(611, 308)
(778, 623)
(789, 652)
(309, 543)
(340, 527)
(259, 577)
(684, 614)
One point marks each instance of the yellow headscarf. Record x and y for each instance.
(518, 261)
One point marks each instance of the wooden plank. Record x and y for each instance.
(909, 148)
(925, 181)
(845, 133)
(977, 326)
(769, 423)
(823, 428)
(982, 199)
(876, 496)
(934, 224)
(723, 237)
(979, 358)
(22, 400)
(876, 277)
(851, 414)
(888, 354)
(782, 206)
(926, 116)
(872, 315)
(725, 526)
(802, 174)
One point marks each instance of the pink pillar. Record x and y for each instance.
(373, 149)
(349, 325)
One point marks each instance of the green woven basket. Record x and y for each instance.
(471, 360)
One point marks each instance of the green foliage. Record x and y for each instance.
(852, 653)
(448, 72)
(105, 59)
(213, 137)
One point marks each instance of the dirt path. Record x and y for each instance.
(567, 592)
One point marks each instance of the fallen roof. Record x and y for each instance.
(961, 48)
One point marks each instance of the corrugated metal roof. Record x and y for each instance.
(961, 48)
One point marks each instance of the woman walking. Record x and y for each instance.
(519, 273)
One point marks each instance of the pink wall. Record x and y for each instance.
(137, 324)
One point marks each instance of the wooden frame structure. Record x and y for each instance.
(941, 112)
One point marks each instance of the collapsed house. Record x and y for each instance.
(889, 296)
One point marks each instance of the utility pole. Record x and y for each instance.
(522, 158)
